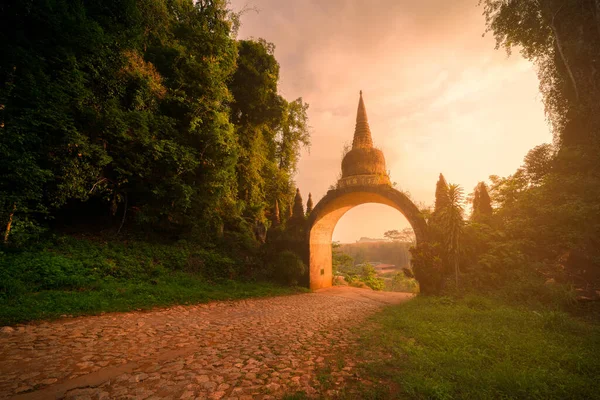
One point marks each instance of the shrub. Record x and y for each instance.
(211, 264)
(427, 267)
(41, 271)
(369, 277)
(400, 282)
(288, 268)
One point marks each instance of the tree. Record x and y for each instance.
(427, 267)
(256, 110)
(563, 39)
(270, 130)
(123, 102)
(309, 205)
(482, 204)
(405, 235)
(538, 163)
(148, 111)
(551, 202)
(441, 194)
(298, 208)
(451, 222)
(275, 218)
(340, 261)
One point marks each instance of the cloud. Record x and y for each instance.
(439, 97)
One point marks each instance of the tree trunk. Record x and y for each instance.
(561, 53)
(456, 271)
(9, 224)
(124, 215)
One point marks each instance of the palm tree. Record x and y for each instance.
(451, 222)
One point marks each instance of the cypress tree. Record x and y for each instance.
(486, 201)
(298, 209)
(436, 223)
(441, 194)
(482, 204)
(309, 205)
(476, 203)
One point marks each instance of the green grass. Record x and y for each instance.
(477, 348)
(125, 296)
(77, 277)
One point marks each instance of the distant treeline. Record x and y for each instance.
(395, 253)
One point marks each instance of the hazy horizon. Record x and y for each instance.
(439, 97)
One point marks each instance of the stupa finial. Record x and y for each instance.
(362, 132)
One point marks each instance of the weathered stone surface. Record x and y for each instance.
(252, 349)
(364, 180)
(6, 330)
(333, 206)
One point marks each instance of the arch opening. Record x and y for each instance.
(368, 223)
(332, 208)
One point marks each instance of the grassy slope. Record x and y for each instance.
(476, 348)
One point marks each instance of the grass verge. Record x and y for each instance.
(179, 288)
(477, 348)
(76, 277)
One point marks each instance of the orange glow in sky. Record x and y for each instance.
(439, 97)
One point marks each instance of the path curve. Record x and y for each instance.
(249, 349)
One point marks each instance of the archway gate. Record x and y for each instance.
(364, 180)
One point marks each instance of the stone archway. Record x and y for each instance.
(364, 180)
(333, 206)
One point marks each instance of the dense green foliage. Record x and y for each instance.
(74, 276)
(433, 262)
(286, 251)
(399, 282)
(288, 268)
(147, 113)
(428, 267)
(547, 214)
(355, 263)
(147, 120)
(541, 223)
(270, 131)
(477, 348)
(309, 205)
(360, 275)
(482, 204)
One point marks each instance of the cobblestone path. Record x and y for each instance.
(251, 349)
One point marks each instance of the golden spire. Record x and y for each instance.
(362, 132)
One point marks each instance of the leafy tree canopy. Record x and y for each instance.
(141, 111)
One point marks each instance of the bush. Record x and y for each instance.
(41, 271)
(288, 268)
(369, 277)
(211, 264)
(399, 282)
(362, 276)
(427, 267)
(76, 264)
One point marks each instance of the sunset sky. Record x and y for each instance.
(439, 97)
